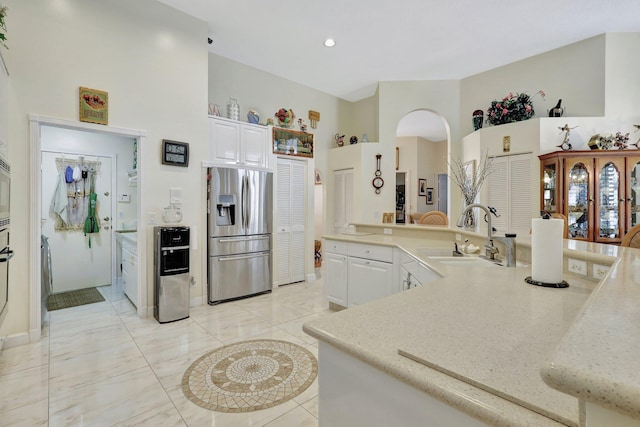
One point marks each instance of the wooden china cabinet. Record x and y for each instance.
(598, 191)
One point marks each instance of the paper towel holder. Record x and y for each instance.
(529, 280)
(560, 285)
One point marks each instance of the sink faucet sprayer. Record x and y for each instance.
(490, 251)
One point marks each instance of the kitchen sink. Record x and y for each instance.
(435, 252)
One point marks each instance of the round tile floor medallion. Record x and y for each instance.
(249, 375)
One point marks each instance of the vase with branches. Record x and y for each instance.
(470, 179)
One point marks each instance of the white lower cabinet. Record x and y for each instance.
(368, 280)
(130, 274)
(336, 276)
(357, 273)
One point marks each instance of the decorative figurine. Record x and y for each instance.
(270, 122)
(638, 141)
(620, 141)
(253, 117)
(353, 140)
(601, 141)
(339, 139)
(557, 111)
(303, 126)
(566, 145)
(477, 119)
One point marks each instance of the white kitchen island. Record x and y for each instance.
(468, 349)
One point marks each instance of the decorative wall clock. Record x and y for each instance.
(378, 182)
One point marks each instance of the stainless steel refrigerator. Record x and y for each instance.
(239, 227)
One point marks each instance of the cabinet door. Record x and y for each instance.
(130, 275)
(289, 221)
(335, 282)
(551, 193)
(632, 186)
(254, 145)
(509, 192)
(609, 196)
(368, 280)
(224, 141)
(579, 197)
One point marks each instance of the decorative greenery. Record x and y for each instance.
(512, 108)
(3, 27)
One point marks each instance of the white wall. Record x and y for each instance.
(574, 73)
(151, 59)
(396, 99)
(622, 96)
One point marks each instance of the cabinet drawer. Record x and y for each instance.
(336, 247)
(380, 253)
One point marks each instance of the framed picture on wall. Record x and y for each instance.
(429, 196)
(422, 187)
(292, 142)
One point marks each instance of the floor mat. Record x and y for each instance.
(249, 375)
(73, 298)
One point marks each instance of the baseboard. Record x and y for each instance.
(311, 277)
(35, 335)
(16, 340)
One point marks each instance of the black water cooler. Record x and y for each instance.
(171, 271)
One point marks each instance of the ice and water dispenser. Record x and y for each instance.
(226, 209)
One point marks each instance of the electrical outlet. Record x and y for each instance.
(151, 218)
(388, 231)
(577, 266)
(599, 271)
(458, 237)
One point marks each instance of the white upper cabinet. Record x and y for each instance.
(236, 143)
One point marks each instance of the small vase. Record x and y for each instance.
(477, 119)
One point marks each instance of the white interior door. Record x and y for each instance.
(74, 264)
(290, 217)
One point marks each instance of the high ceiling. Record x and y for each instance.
(397, 40)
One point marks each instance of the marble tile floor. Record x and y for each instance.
(101, 365)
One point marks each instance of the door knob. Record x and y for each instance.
(106, 218)
(106, 193)
(106, 227)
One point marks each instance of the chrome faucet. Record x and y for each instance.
(489, 249)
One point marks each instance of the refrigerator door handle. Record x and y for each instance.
(234, 258)
(243, 239)
(242, 202)
(246, 204)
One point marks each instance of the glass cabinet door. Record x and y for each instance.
(549, 186)
(633, 193)
(609, 213)
(578, 201)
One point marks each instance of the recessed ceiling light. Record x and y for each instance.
(329, 42)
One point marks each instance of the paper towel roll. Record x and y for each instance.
(546, 250)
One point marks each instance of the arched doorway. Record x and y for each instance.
(422, 147)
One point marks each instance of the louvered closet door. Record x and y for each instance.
(289, 231)
(510, 190)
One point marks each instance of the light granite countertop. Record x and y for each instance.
(479, 338)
